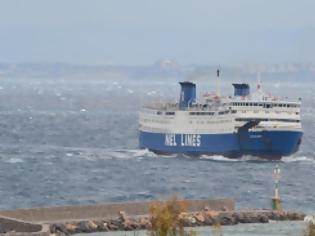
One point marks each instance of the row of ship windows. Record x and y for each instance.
(156, 121)
(213, 113)
(277, 112)
(266, 119)
(210, 122)
(225, 121)
(151, 129)
(265, 105)
(198, 113)
(210, 113)
(191, 122)
(168, 113)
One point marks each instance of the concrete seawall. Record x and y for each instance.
(105, 211)
(15, 227)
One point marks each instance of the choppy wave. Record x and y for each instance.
(46, 152)
(298, 159)
(80, 147)
(141, 153)
(218, 158)
(249, 158)
(14, 160)
(245, 158)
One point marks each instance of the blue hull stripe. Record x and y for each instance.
(270, 144)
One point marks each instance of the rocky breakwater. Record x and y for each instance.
(188, 219)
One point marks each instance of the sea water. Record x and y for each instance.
(68, 141)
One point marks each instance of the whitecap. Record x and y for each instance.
(310, 219)
(142, 153)
(252, 158)
(244, 158)
(14, 160)
(118, 154)
(218, 158)
(166, 155)
(297, 159)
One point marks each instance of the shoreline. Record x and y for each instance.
(189, 219)
(131, 216)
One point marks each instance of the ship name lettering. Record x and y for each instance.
(170, 140)
(193, 140)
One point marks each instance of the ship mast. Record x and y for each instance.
(218, 83)
(258, 81)
(259, 90)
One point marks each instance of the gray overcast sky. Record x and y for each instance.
(143, 31)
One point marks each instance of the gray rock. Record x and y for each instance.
(295, 216)
(112, 227)
(102, 226)
(187, 222)
(71, 228)
(199, 218)
(243, 218)
(224, 209)
(52, 228)
(84, 227)
(253, 217)
(57, 228)
(123, 216)
(130, 225)
(227, 218)
(208, 221)
(263, 218)
(144, 223)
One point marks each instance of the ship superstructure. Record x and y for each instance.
(233, 126)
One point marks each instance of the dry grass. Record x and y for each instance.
(165, 218)
(216, 230)
(310, 231)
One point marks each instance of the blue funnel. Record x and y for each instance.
(241, 90)
(187, 94)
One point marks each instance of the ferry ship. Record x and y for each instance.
(244, 124)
